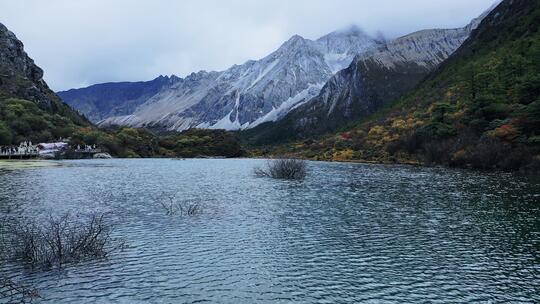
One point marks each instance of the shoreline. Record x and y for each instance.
(10, 164)
(43, 163)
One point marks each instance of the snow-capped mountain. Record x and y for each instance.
(257, 91)
(374, 78)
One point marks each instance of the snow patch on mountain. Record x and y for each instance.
(266, 70)
(290, 104)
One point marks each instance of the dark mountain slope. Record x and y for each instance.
(101, 101)
(359, 90)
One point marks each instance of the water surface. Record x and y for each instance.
(349, 233)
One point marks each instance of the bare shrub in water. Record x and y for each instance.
(173, 207)
(168, 204)
(11, 292)
(62, 239)
(283, 168)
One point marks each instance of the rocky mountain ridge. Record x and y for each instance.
(266, 90)
(256, 91)
(19, 75)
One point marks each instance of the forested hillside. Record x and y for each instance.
(480, 108)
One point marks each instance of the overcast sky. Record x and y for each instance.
(79, 43)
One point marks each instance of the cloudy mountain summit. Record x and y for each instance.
(256, 91)
(373, 79)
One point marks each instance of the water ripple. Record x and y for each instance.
(347, 234)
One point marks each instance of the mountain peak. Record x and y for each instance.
(295, 37)
(295, 40)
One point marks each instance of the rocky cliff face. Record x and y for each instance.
(19, 76)
(101, 101)
(254, 92)
(29, 110)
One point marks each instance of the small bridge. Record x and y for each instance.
(31, 152)
(24, 150)
(18, 155)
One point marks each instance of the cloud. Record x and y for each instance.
(79, 43)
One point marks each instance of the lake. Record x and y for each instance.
(348, 233)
